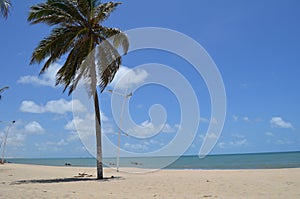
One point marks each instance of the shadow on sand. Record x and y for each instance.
(61, 180)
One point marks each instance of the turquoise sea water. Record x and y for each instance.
(238, 161)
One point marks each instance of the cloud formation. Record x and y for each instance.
(60, 106)
(147, 129)
(278, 122)
(46, 79)
(238, 140)
(234, 143)
(126, 77)
(136, 147)
(19, 131)
(34, 128)
(269, 134)
(235, 118)
(246, 119)
(84, 127)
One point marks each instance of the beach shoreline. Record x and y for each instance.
(36, 181)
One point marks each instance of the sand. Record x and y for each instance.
(32, 181)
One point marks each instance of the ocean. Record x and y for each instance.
(235, 161)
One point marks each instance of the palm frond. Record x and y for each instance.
(86, 7)
(4, 88)
(59, 42)
(55, 12)
(121, 40)
(67, 73)
(103, 11)
(118, 38)
(108, 63)
(4, 8)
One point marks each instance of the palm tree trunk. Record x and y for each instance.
(93, 73)
(98, 136)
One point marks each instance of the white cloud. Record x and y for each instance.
(16, 139)
(140, 106)
(177, 126)
(234, 143)
(168, 128)
(144, 130)
(204, 120)
(16, 136)
(46, 79)
(85, 124)
(18, 132)
(147, 129)
(34, 128)
(84, 127)
(126, 77)
(222, 145)
(104, 118)
(154, 142)
(214, 121)
(269, 134)
(41, 146)
(201, 136)
(73, 136)
(61, 142)
(235, 118)
(56, 146)
(284, 142)
(237, 135)
(60, 106)
(246, 119)
(278, 122)
(238, 142)
(212, 136)
(31, 107)
(244, 85)
(136, 147)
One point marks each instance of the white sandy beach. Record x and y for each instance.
(32, 181)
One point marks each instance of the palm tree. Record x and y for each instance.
(4, 8)
(79, 34)
(2, 90)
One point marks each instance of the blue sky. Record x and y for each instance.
(255, 45)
